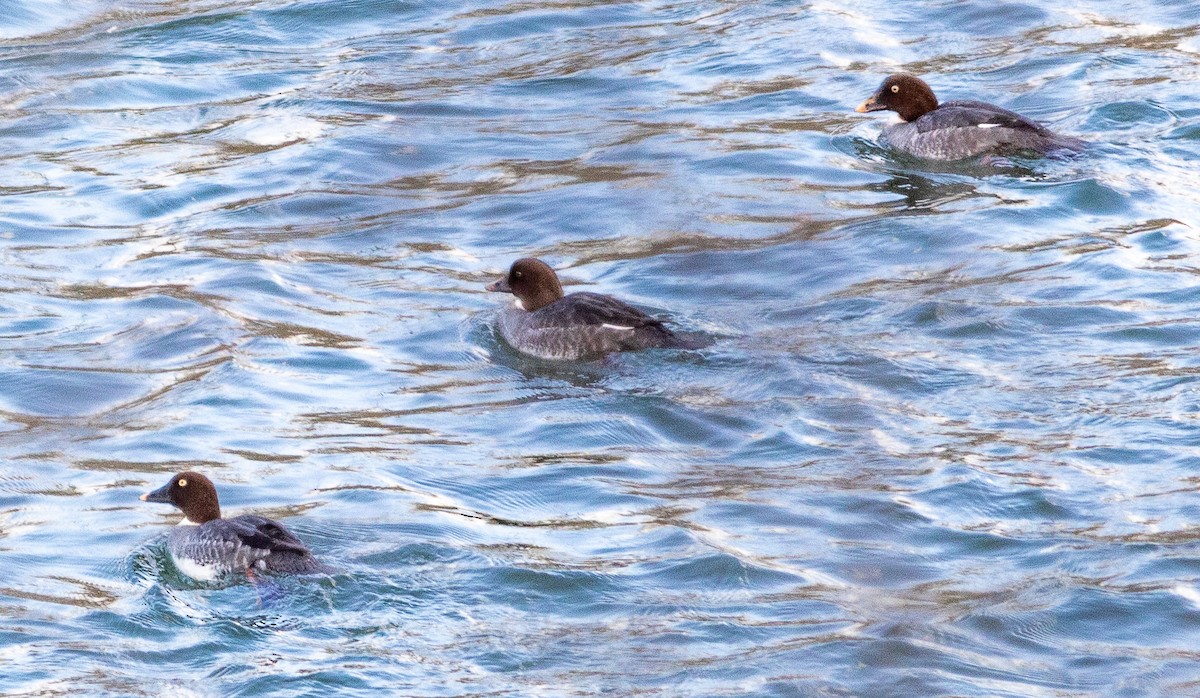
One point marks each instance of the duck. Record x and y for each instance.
(207, 547)
(544, 322)
(958, 129)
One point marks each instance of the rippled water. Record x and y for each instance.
(946, 441)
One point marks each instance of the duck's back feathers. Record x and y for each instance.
(224, 546)
(966, 128)
(285, 553)
(592, 309)
(962, 113)
(261, 533)
(584, 326)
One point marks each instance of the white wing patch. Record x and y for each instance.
(193, 569)
(616, 327)
(988, 125)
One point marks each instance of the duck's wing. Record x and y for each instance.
(596, 309)
(261, 533)
(965, 128)
(969, 113)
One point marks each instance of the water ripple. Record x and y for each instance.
(943, 442)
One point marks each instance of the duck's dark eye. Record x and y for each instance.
(895, 88)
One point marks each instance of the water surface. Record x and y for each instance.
(946, 442)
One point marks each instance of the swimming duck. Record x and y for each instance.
(544, 322)
(205, 546)
(957, 129)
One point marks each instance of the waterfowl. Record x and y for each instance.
(957, 129)
(205, 546)
(544, 322)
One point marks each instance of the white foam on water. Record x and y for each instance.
(281, 128)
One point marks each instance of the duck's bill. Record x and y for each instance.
(162, 495)
(869, 104)
(500, 285)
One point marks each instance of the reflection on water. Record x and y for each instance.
(944, 443)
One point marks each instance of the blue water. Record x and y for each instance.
(946, 442)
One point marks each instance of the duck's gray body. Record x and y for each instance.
(966, 128)
(219, 547)
(583, 326)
